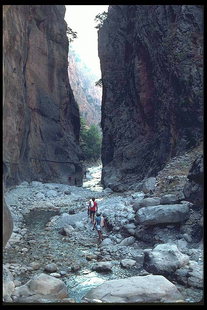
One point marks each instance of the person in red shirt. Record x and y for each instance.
(93, 207)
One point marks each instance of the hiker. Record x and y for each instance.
(99, 224)
(92, 209)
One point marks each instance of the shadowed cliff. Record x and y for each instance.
(152, 67)
(41, 121)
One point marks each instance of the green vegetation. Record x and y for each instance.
(100, 18)
(71, 34)
(90, 141)
(99, 83)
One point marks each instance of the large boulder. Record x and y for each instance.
(41, 286)
(175, 213)
(150, 288)
(7, 223)
(164, 259)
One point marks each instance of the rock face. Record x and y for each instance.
(151, 63)
(87, 95)
(193, 189)
(40, 116)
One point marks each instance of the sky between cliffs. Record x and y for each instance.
(81, 19)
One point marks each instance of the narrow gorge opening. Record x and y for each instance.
(83, 23)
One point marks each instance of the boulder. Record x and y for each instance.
(138, 289)
(191, 275)
(174, 213)
(149, 185)
(130, 228)
(44, 286)
(164, 259)
(127, 241)
(169, 199)
(195, 275)
(8, 285)
(150, 201)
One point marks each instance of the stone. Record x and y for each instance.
(150, 201)
(175, 213)
(106, 242)
(130, 228)
(36, 184)
(127, 241)
(149, 185)
(169, 199)
(51, 267)
(51, 193)
(102, 267)
(196, 275)
(47, 285)
(55, 274)
(138, 289)
(67, 230)
(164, 259)
(35, 265)
(8, 285)
(127, 263)
(40, 196)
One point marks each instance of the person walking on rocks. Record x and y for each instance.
(92, 209)
(99, 223)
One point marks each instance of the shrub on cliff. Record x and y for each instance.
(100, 18)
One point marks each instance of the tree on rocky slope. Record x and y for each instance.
(90, 141)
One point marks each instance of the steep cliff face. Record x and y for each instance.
(87, 95)
(40, 116)
(152, 66)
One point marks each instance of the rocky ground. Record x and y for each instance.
(53, 254)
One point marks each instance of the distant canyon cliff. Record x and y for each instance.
(86, 93)
(152, 72)
(41, 119)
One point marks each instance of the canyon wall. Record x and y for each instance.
(86, 94)
(152, 104)
(40, 116)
